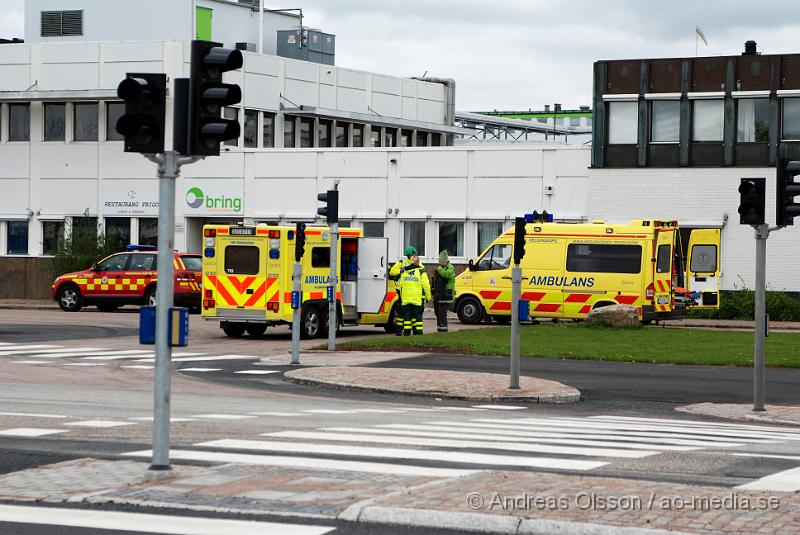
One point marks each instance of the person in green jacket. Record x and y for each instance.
(444, 286)
(414, 289)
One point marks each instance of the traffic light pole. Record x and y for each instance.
(762, 233)
(516, 290)
(169, 164)
(297, 275)
(333, 316)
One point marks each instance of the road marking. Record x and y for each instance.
(223, 416)
(465, 409)
(378, 411)
(309, 463)
(258, 372)
(119, 355)
(329, 411)
(85, 364)
(30, 432)
(416, 409)
(790, 457)
(292, 414)
(12, 350)
(29, 362)
(147, 523)
(186, 357)
(456, 433)
(697, 427)
(171, 419)
(698, 423)
(33, 415)
(199, 369)
(99, 423)
(410, 454)
(500, 407)
(786, 481)
(471, 444)
(52, 352)
(138, 367)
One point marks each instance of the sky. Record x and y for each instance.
(523, 54)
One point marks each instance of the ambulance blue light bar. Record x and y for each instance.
(140, 248)
(536, 217)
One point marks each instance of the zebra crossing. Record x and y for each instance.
(450, 448)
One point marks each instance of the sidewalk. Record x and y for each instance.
(775, 414)
(484, 501)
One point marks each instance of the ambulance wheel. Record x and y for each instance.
(69, 298)
(310, 322)
(150, 297)
(256, 329)
(470, 311)
(107, 308)
(391, 325)
(234, 330)
(502, 320)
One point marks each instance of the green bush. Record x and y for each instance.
(80, 249)
(740, 305)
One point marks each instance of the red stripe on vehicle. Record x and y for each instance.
(316, 295)
(533, 296)
(626, 299)
(256, 295)
(490, 294)
(501, 305)
(585, 309)
(287, 297)
(241, 284)
(226, 296)
(577, 298)
(547, 307)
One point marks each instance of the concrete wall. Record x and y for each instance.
(25, 278)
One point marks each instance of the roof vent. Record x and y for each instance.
(750, 48)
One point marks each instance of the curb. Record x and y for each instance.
(490, 524)
(5, 306)
(544, 398)
(769, 420)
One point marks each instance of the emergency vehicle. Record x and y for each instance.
(127, 278)
(247, 279)
(570, 269)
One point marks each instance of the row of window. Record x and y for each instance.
(752, 121)
(85, 121)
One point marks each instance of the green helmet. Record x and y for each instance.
(410, 250)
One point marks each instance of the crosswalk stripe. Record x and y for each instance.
(84, 364)
(149, 523)
(503, 424)
(309, 463)
(786, 481)
(377, 411)
(460, 444)
(51, 352)
(767, 456)
(199, 369)
(121, 355)
(744, 427)
(665, 441)
(410, 454)
(30, 432)
(500, 407)
(257, 372)
(292, 414)
(100, 355)
(456, 433)
(11, 350)
(329, 411)
(190, 357)
(33, 415)
(644, 427)
(223, 416)
(690, 425)
(138, 367)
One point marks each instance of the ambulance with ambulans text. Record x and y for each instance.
(570, 269)
(247, 279)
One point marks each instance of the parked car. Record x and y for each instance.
(128, 278)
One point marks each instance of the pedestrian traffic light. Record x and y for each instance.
(299, 241)
(751, 201)
(787, 188)
(142, 125)
(331, 211)
(519, 239)
(208, 96)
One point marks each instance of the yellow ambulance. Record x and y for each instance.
(570, 269)
(247, 279)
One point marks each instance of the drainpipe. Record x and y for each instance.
(450, 96)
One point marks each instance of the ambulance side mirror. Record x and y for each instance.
(471, 265)
(94, 267)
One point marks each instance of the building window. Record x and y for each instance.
(118, 231)
(17, 237)
(390, 137)
(54, 122)
(306, 133)
(666, 120)
(405, 138)
(84, 227)
(148, 231)
(358, 135)
(375, 137)
(62, 23)
(19, 122)
(288, 131)
(324, 133)
(752, 118)
(231, 113)
(414, 235)
(52, 236)
(574, 121)
(341, 134)
(268, 130)
(623, 121)
(542, 120)
(85, 121)
(707, 120)
(114, 110)
(373, 229)
(451, 238)
(436, 140)
(791, 118)
(250, 129)
(488, 231)
(422, 139)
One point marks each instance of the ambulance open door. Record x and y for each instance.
(702, 266)
(373, 254)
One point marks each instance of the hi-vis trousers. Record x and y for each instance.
(412, 319)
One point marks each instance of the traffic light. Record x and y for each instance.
(330, 212)
(519, 239)
(786, 208)
(299, 241)
(142, 125)
(208, 96)
(751, 201)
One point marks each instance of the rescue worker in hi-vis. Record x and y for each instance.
(414, 288)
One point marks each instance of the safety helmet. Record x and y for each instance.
(410, 250)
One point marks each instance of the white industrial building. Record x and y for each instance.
(388, 141)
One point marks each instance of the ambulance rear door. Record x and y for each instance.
(662, 274)
(702, 273)
(242, 274)
(372, 274)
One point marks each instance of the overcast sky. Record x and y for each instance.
(521, 54)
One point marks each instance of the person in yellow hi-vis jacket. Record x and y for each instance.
(414, 288)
